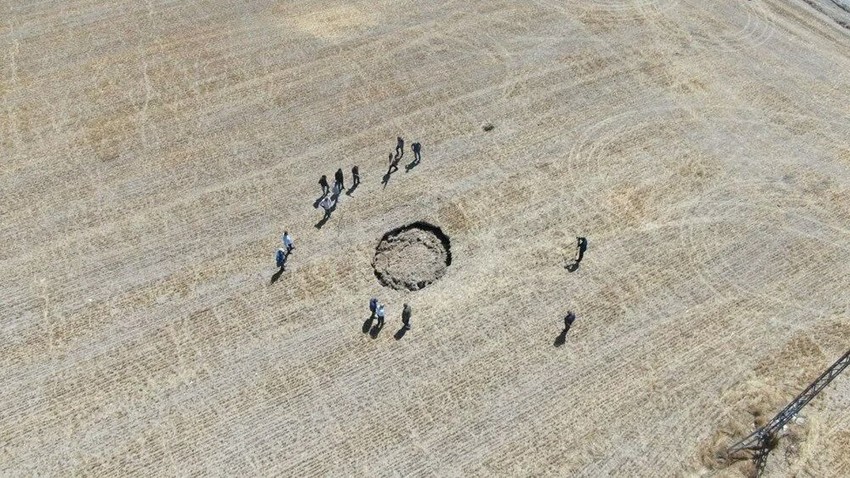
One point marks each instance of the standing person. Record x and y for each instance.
(380, 314)
(339, 178)
(373, 306)
(581, 246)
(405, 316)
(417, 156)
(393, 164)
(355, 176)
(323, 182)
(280, 258)
(287, 241)
(569, 319)
(327, 204)
(399, 147)
(337, 189)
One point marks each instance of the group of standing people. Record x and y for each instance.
(282, 253)
(339, 181)
(399, 152)
(330, 196)
(378, 312)
(328, 202)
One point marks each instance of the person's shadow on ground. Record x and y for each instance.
(277, 275)
(582, 248)
(411, 165)
(376, 329)
(350, 190)
(325, 218)
(561, 339)
(581, 244)
(368, 325)
(398, 335)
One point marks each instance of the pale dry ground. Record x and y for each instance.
(153, 152)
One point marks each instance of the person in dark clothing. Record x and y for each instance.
(569, 319)
(338, 178)
(417, 156)
(399, 147)
(323, 182)
(568, 322)
(373, 306)
(581, 246)
(393, 164)
(280, 258)
(405, 316)
(355, 177)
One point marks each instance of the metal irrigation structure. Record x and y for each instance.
(761, 441)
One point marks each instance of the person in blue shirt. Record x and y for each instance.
(280, 258)
(373, 306)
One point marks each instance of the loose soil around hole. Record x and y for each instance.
(412, 256)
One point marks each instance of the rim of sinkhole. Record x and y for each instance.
(412, 256)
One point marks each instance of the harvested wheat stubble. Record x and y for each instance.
(412, 256)
(151, 153)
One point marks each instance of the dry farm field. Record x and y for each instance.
(153, 152)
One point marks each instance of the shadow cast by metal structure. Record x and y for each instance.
(760, 442)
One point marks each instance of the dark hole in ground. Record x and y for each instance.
(412, 256)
